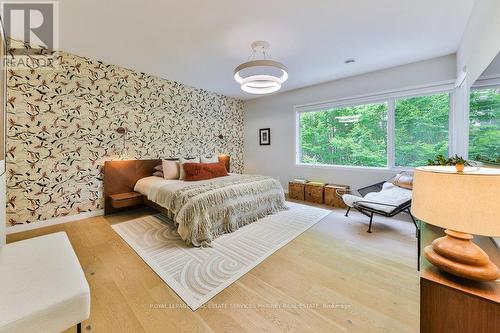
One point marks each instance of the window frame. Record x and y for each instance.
(298, 152)
(450, 127)
(388, 97)
(486, 82)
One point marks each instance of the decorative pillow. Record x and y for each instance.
(159, 167)
(185, 160)
(158, 174)
(213, 159)
(170, 169)
(404, 180)
(203, 171)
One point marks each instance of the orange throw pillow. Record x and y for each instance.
(203, 171)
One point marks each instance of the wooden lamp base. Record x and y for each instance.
(456, 254)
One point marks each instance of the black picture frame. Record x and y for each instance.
(265, 136)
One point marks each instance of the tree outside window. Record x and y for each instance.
(484, 125)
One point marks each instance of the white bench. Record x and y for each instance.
(42, 286)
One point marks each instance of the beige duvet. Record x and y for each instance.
(206, 209)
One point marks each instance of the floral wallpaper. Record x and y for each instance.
(61, 127)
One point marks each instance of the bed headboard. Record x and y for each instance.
(121, 176)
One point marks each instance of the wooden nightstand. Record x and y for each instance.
(452, 304)
(128, 199)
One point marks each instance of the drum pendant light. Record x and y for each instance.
(260, 76)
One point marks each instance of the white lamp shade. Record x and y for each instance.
(466, 201)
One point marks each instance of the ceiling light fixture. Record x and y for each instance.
(260, 76)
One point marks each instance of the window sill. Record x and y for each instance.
(352, 167)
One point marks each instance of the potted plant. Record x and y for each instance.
(458, 161)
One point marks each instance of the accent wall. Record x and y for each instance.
(62, 127)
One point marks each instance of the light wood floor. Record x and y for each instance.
(335, 277)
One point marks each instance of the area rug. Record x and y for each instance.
(198, 274)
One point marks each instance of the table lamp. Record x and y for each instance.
(464, 203)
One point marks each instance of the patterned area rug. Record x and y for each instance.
(198, 274)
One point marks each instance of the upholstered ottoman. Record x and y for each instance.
(42, 286)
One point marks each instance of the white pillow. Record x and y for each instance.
(170, 169)
(181, 168)
(213, 159)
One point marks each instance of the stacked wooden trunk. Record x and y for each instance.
(320, 193)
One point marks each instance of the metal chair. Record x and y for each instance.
(370, 211)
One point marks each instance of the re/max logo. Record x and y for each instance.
(34, 23)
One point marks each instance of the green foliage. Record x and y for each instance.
(421, 131)
(495, 161)
(441, 160)
(484, 133)
(327, 139)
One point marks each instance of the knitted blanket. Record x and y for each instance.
(222, 205)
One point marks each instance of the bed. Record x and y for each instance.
(202, 210)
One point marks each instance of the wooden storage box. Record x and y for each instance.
(314, 193)
(331, 196)
(296, 191)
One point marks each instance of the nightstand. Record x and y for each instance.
(127, 199)
(452, 304)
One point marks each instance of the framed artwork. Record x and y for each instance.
(265, 136)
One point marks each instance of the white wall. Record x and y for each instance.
(478, 53)
(481, 39)
(277, 113)
(493, 69)
(480, 44)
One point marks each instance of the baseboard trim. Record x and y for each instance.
(58, 220)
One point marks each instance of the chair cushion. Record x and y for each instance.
(43, 288)
(350, 199)
(390, 195)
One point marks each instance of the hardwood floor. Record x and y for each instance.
(335, 277)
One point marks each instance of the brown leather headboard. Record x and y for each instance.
(121, 176)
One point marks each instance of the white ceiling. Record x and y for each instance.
(200, 42)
